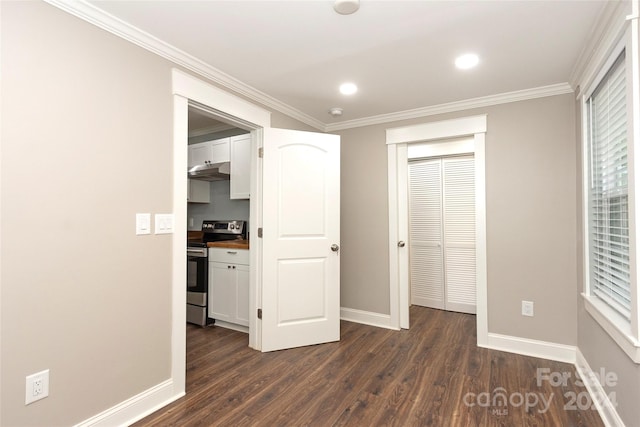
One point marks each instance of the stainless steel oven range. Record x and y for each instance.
(198, 265)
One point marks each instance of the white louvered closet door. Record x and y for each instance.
(459, 233)
(442, 233)
(425, 233)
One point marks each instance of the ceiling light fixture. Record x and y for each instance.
(346, 7)
(348, 88)
(466, 61)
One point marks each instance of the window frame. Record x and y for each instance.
(624, 332)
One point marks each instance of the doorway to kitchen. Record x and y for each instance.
(291, 204)
(189, 91)
(466, 136)
(218, 212)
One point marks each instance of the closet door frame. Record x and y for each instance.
(399, 141)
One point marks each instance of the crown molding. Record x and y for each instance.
(485, 101)
(126, 31)
(604, 35)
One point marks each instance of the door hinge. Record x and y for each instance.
(261, 152)
(260, 232)
(259, 313)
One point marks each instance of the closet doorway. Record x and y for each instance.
(442, 248)
(422, 141)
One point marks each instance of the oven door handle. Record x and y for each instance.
(197, 252)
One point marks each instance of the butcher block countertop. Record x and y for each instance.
(230, 244)
(194, 235)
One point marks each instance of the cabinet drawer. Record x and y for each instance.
(229, 256)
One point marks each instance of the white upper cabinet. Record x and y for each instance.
(237, 151)
(240, 147)
(198, 191)
(209, 152)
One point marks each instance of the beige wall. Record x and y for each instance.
(279, 120)
(364, 220)
(603, 354)
(86, 139)
(531, 224)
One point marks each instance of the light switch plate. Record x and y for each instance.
(164, 223)
(143, 223)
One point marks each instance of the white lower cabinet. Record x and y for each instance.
(242, 294)
(229, 285)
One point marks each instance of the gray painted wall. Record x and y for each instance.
(99, 306)
(92, 116)
(531, 223)
(82, 304)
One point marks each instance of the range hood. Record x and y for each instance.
(210, 172)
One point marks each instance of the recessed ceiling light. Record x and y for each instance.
(466, 61)
(348, 88)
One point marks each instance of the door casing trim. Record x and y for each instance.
(185, 89)
(398, 140)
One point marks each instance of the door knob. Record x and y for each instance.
(401, 244)
(335, 248)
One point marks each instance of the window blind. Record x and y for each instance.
(608, 190)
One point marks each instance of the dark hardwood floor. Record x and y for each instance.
(431, 375)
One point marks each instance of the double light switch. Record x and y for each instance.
(163, 223)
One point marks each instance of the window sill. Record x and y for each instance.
(614, 325)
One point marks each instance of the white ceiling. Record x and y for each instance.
(399, 53)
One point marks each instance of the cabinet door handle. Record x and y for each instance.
(234, 267)
(228, 266)
(232, 252)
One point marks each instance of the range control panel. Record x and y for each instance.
(224, 227)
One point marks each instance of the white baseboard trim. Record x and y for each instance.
(534, 348)
(605, 407)
(367, 318)
(135, 408)
(232, 326)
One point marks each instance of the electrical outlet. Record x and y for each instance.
(37, 387)
(527, 308)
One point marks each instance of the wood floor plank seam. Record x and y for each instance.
(430, 375)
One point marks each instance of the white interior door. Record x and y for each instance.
(301, 217)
